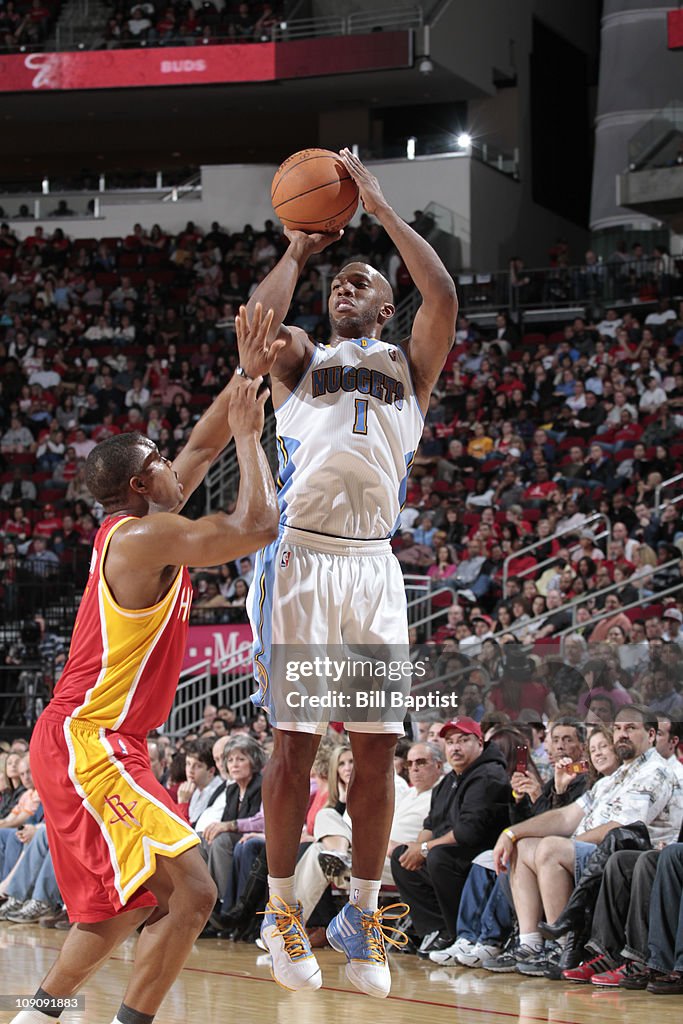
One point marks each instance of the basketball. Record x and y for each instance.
(313, 191)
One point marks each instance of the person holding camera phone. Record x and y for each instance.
(545, 856)
(531, 796)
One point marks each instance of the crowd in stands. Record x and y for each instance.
(568, 651)
(190, 22)
(25, 24)
(592, 811)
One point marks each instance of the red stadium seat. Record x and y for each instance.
(129, 260)
(570, 442)
(153, 259)
(53, 494)
(107, 279)
(20, 458)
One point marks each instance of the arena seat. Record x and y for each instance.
(535, 338)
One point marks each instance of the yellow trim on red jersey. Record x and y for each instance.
(128, 639)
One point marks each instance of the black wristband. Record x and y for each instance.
(242, 373)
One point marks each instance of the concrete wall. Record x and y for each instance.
(492, 215)
(235, 195)
(505, 222)
(639, 75)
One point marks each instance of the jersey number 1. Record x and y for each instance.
(360, 424)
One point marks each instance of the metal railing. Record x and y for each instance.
(25, 689)
(401, 323)
(653, 599)
(189, 189)
(195, 688)
(227, 681)
(567, 530)
(664, 486)
(639, 582)
(657, 143)
(403, 17)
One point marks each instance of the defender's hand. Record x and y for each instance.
(371, 194)
(245, 414)
(257, 354)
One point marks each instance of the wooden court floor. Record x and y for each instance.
(226, 982)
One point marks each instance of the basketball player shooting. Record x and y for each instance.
(121, 853)
(331, 577)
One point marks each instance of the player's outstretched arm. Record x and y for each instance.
(434, 327)
(276, 292)
(156, 541)
(212, 433)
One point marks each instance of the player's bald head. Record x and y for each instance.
(378, 280)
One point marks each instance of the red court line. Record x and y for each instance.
(351, 992)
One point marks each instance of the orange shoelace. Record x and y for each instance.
(377, 932)
(290, 926)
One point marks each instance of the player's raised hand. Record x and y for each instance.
(257, 354)
(312, 242)
(371, 194)
(245, 414)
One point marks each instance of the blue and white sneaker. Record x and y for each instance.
(361, 935)
(294, 965)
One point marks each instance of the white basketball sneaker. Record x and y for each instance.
(360, 935)
(294, 965)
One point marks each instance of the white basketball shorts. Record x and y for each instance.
(318, 595)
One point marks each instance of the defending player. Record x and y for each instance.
(349, 418)
(122, 856)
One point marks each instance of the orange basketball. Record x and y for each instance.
(313, 191)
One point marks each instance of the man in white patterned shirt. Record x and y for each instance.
(546, 854)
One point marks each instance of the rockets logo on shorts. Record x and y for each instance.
(284, 560)
(123, 812)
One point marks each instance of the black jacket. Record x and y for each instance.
(246, 808)
(548, 800)
(474, 805)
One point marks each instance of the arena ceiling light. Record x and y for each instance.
(464, 140)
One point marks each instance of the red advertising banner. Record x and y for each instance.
(675, 24)
(220, 643)
(126, 69)
(203, 65)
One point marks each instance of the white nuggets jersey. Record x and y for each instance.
(346, 441)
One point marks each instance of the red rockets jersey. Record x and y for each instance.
(123, 665)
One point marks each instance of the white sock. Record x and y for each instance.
(282, 887)
(534, 940)
(33, 1017)
(364, 893)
